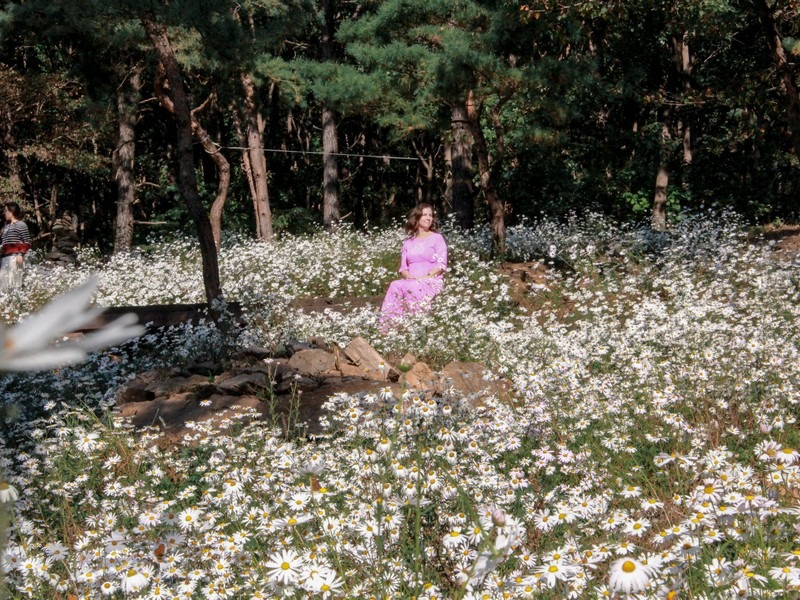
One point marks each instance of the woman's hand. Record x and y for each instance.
(20, 260)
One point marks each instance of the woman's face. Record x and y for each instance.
(8, 215)
(426, 220)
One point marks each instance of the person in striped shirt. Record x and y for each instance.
(16, 241)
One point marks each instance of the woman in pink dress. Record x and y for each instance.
(423, 261)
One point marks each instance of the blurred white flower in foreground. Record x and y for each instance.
(8, 493)
(28, 345)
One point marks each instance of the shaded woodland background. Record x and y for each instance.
(291, 110)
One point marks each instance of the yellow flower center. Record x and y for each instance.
(629, 566)
(285, 566)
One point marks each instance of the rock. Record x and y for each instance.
(409, 360)
(274, 368)
(272, 375)
(365, 356)
(349, 370)
(127, 394)
(295, 346)
(136, 390)
(277, 368)
(420, 377)
(319, 342)
(224, 376)
(207, 368)
(159, 411)
(177, 385)
(468, 378)
(65, 239)
(222, 402)
(257, 352)
(244, 383)
(330, 374)
(172, 413)
(312, 362)
(301, 383)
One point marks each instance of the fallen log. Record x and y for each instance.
(155, 316)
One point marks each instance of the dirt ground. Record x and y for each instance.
(787, 240)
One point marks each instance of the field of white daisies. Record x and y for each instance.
(650, 449)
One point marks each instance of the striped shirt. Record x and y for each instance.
(16, 239)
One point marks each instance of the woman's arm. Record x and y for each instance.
(439, 256)
(26, 237)
(404, 262)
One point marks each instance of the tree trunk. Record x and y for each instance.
(360, 214)
(683, 64)
(223, 182)
(783, 69)
(447, 197)
(221, 164)
(427, 157)
(123, 159)
(52, 207)
(659, 217)
(256, 160)
(248, 172)
(497, 210)
(330, 177)
(187, 181)
(461, 160)
(330, 141)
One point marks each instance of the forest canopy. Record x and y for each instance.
(305, 113)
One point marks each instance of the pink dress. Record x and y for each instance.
(419, 257)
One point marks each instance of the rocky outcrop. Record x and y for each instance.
(362, 355)
(65, 241)
(270, 388)
(312, 362)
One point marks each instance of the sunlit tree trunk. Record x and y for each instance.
(487, 180)
(674, 126)
(124, 157)
(683, 63)
(330, 178)
(330, 136)
(659, 217)
(256, 161)
(187, 181)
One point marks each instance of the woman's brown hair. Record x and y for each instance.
(15, 210)
(412, 223)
